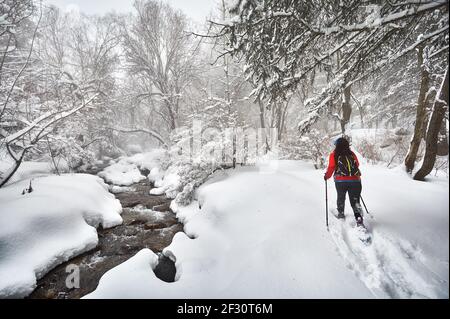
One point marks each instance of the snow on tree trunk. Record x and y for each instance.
(420, 114)
(434, 126)
(346, 108)
(443, 140)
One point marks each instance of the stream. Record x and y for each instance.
(148, 222)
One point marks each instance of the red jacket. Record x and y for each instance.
(332, 167)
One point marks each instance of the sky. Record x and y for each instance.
(198, 10)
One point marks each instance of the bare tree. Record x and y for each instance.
(157, 48)
(41, 93)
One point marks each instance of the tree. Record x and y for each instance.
(434, 126)
(420, 113)
(283, 41)
(79, 53)
(158, 50)
(39, 93)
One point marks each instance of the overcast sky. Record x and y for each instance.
(196, 9)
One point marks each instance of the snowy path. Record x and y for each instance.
(262, 235)
(394, 266)
(389, 267)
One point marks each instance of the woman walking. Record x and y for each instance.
(344, 164)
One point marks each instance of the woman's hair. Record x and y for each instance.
(342, 148)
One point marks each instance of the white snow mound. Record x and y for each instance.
(50, 225)
(122, 174)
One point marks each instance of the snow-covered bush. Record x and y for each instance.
(388, 146)
(441, 166)
(134, 148)
(183, 170)
(68, 150)
(313, 146)
(369, 150)
(192, 176)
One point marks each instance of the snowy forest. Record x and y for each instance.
(148, 155)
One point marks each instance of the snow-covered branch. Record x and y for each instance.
(52, 117)
(152, 133)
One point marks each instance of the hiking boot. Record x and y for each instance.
(340, 215)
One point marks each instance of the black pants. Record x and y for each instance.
(354, 193)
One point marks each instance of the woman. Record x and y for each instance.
(347, 177)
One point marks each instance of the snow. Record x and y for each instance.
(126, 171)
(155, 174)
(263, 235)
(3, 19)
(168, 185)
(391, 18)
(120, 189)
(50, 225)
(27, 170)
(373, 135)
(136, 269)
(410, 252)
(149, 159)
(122, 174)
(51, 116)
(141, 210)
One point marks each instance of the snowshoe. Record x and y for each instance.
(363, 233)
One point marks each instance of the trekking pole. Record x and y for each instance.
(326, 203)
(362, 200)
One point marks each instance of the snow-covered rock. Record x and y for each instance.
(127, 170)
(122, 174)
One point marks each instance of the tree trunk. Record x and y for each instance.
(443, 140)
(261, 113)
(278, 121)
(263, 124)
(420, 115)
(361, 116)
(434, 126)
(17, 163)
(346, 108)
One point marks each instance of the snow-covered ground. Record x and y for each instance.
(253, 232)
(50, 225)
(263, 235)
(29, 169)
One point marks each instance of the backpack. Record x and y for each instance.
(346, 166)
